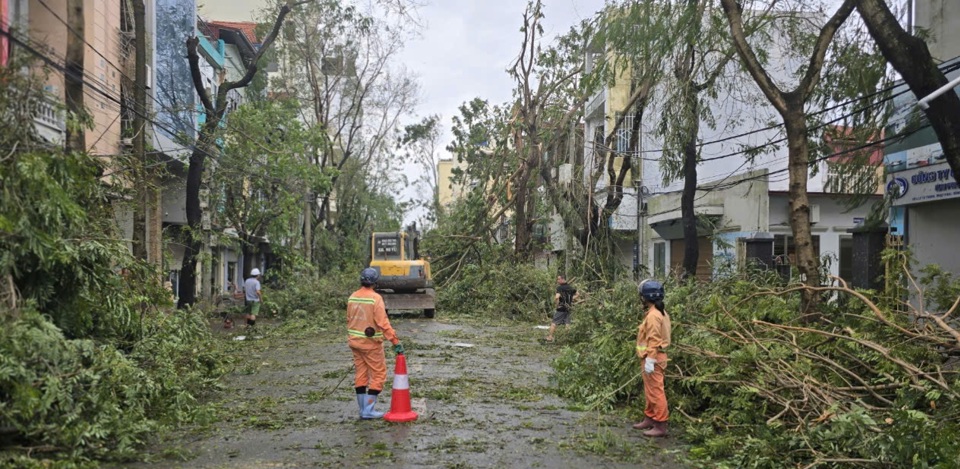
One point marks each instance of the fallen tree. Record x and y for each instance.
(876, 384)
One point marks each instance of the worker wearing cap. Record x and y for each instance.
(367, 327)
(252, 297)
(653, 338)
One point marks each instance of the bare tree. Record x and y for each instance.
(214, 109)
(338, 61)
(422, 141)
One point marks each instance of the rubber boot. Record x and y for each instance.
(360, 402)
(659, 429)
(645, 424)
(368, 412)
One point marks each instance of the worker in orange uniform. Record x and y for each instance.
(367, 326)
(653, 337)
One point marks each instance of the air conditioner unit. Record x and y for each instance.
(814, 214)
(127, 142)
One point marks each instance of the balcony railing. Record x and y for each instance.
(49, 119)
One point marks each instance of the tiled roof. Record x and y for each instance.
(248, 28)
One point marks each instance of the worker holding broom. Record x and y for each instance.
(367, 327)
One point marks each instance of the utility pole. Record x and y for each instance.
(151, 192)
(73, 79)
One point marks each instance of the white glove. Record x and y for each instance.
(648, 364)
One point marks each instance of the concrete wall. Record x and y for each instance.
(932, 233)
(941, 20)
(234, 10)
(835, 220)
(174, 201)
(745, 209)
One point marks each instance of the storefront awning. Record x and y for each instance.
(669, 225)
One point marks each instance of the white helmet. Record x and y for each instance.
(255, 272)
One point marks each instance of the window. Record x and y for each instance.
(785, 251)
(850, 178)
(659, 259)
(231, 275)
(387, 247)
(624, 132)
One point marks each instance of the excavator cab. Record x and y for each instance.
(405, 282)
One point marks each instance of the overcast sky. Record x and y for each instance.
(466, 47)
(463, 51)
(468, 44)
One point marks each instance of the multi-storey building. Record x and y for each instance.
(923, 189)
(741, 195)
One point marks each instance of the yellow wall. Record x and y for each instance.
(618, 96)
(103, 34)
(448, 191)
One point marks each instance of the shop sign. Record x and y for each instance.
(926, 184)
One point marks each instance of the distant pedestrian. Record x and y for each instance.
(252, 297)
(563, 300)
(653, 338)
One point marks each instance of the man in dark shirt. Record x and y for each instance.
(564, 299)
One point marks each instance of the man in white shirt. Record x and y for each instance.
(252, 296)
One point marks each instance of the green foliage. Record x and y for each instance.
(304, 296)
(90, 365)
(80, 399)
(944, 288)
(501, 290)
(754, 385)
(266, 171)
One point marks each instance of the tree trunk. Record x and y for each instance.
(194, 241)
(691, 251)
(798, 166)
(308, 228)
(911, 57)
(142, 217)
(249, 250)
(522, 236)
(73, 89)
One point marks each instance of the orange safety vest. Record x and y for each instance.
(653, 335)
(367, 322)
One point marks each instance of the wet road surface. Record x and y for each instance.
(482, 393)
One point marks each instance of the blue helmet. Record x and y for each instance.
(369, 276)
(651, 290)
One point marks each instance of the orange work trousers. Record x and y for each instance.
(653, 391)
(370, 365)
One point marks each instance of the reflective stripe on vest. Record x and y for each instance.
(356, 333)
(365, 301)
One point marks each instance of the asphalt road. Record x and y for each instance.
(482, 393)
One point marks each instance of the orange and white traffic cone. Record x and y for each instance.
(400, 395)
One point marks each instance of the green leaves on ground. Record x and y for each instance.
(754, 384)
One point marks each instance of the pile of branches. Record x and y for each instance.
(857, 385)
(873, 380)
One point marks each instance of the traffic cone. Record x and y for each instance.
(400, 396)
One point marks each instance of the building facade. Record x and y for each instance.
(741, 195)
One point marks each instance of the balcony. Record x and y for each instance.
(49, 120)
(595, 107)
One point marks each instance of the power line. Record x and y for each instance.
(97, 89)
(944, 68)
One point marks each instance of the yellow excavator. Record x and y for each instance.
(405, 282)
